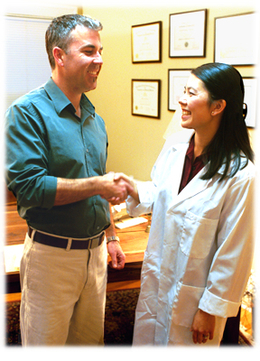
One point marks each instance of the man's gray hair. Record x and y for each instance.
(59, 32)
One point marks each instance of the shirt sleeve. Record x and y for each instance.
(27, 158)
(232, 262)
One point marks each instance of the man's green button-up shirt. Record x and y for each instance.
(45, 139)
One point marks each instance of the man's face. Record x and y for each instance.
(82, 60)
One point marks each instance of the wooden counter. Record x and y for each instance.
(133, 241)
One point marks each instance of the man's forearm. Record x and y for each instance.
(111, 230)
(74, 190)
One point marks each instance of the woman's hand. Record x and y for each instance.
(131, 182)
(114, 189)
(203, 326)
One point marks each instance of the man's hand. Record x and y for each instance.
(203, 326)
(132, 190)
(116, 254)
(115, 190)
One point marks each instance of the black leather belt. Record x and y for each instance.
(66, 243)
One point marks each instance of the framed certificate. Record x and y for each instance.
(177, 80)
(146, 98)
(236, 39)
(188, 34)
(146, 43)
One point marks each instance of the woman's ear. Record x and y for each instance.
(58, 55)
(218, 107)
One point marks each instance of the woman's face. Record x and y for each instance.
(196, 107)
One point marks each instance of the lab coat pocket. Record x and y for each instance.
(185, 304)
(198, 234)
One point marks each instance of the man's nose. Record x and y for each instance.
(98, 59)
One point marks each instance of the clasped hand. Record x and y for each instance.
(116, 187)
(203, 326)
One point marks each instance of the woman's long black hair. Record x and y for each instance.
(224, 82)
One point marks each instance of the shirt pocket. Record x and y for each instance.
(198, 234)
(185, 304)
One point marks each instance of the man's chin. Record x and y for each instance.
(92, 86)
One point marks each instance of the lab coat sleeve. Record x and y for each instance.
(147, 191)
(232, 262)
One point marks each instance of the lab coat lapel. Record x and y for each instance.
(177, 169)
(195, 186)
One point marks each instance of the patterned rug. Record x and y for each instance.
(119, 320)
(13, 324)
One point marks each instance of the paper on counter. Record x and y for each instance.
(12, 257)
(130, 222)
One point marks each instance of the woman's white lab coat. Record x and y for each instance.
(199, 251)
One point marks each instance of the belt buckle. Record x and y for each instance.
(96, 241)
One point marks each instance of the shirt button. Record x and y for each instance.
(87, 150)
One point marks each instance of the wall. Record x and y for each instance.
(135, 142)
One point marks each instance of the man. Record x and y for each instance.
(56, 158)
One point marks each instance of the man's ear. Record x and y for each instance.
(58, 55)
(219, 106)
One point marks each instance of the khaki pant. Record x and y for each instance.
(63, 295)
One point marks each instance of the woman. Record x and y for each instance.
(199, 253)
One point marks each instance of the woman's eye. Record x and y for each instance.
(189, 92)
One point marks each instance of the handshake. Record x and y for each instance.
(117, 187)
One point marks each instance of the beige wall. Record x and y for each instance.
(135, 142)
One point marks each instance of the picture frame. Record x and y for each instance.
(250, 99)
(177, 80)
(240, 49)
(146, 41)
(187, 37)
(146, 96)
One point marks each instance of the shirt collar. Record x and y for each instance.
(60, 100)
(190, 151)
(184, 144)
